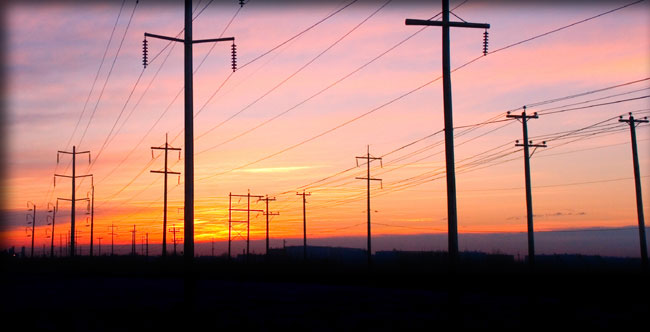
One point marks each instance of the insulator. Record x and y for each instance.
(241, 3)
(234, 57)
(145, 60)
(485, 42)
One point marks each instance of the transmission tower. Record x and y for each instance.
(73, 200)
(248, 218)
(267, 214)
(632, 122)
(165, 171)
(523, 118)
(304, 223)
(369, 159)
(189, 116)
(452, 216)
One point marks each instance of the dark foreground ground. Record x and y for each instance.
(135, 293)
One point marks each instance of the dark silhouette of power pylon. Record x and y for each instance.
(632, 122)
(304, 223)
(189, 123)
(165, 171)
(51, 219)
(452, 216)
(267, 214)
(112, 233)
(369, 159)
(32, 210)
(174, 231)
(248, 219)
(73, 200)
(99, 239)
(523, 118)
(133, 253)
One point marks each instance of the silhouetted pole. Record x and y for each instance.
(92, 219)
(189, 124)
(53, 211)
(174, 231)
(452, 216)
(147, 252)
(133, 241)
(100, 245)
(213, 247)
(368, 159)
(60, 245)
(637, 184)
(74, 176)
(248, 225)
(523, 118)
(165, 171)
(229, 221)
(248, 217)
(33, 222)
(112, 227)
(267, 213)
(304, 223)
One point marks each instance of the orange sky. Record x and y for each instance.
(54, 52)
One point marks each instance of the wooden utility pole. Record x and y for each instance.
(165, 171)
(267, 214)
(523, 118)
(73, 200)
(133, 253)
(53, 216)
(637, 185)
(189, 124)
(99, 238)
(92, 218)
(369, 159)
(452, 216)
(33, 222)
(112, 228)
(304, 223)
(248, 218)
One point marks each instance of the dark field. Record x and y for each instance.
(131, 293)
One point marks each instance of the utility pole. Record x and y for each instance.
(369, 159)
(213, 247)
(33, 222)
(60, 245)
(248, 217)
(92, 218)
(304, 223)
(452, 216)
(267, 214)
(112, 228)
(165, 171)
(53, 217)
(100, 245)
(74, 154)
(189, 117)
(523, 118)
(133, 241)
(147, 252)
(632, 122)
(174, 231)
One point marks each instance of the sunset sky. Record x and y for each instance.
(301, 112)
